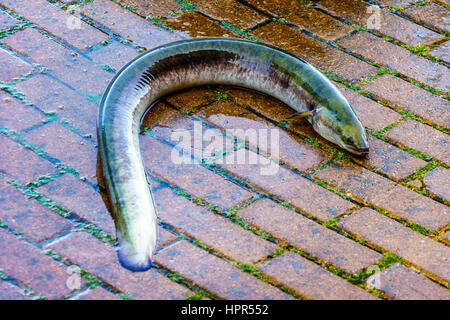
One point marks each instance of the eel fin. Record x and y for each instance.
(301, 115)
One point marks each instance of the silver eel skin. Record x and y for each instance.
(191, 63)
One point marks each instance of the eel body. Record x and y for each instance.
(191, 63)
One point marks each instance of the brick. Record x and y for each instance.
(230, 11)
(11, 292)
(11, 66)
(98, 293)
(100, 259)
(57, 22)
(411, 98)
(446, 236)
(127, 24)
(115, 55)
(357, 181)
(28, 216)
(6, 21)
(442, 51)
(269, 107)
(168, 123)
(191, 99)
(310, 280)
(157, 159)
(403, 284)
(286, 185)
(430, 14)
(357, 12)
(77, 71)
(164, 237)
(215, 275)
(373, 115)
(211, 229)
(436, 182)
(373, 188)
(395, 3)
(305, 17)
(197, 25)
(423, 138)
(399, 59)
(29, 266)
(415, 207)
(309, 236)
(385, 158)
(313, 51)
(66, 146)
(16, 116)
(390, 235)
(81, 199)
(20, 163)
(158, 8)
(164, 120)
(415, 183)
(50, 96)
(281, 145)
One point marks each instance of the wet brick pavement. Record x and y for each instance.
(324, 225)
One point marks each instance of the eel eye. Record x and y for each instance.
(350, 140)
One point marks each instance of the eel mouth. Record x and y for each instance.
(359, 152)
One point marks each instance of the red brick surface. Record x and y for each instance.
(290, 150)
(436, 182)
(229, 11)
(154, 8)
(97, 293)
(431, 14)
(403, 284)
(215, 275)
(100, 259)
(441, 52)
(30, 266)
(77, 71)
(211, 229)
(61, 24)
(423, 138)
(310, 280)
(357, 11)
(375, 189)
(157, 158)
(286, 185)
(314, 51)
(228, 230)
(406, 243)
(305, 17)
(51, 96)
(80, 199)
(6, 21)
(28, 216)
(127, 24)
(411, 98)
(309, 236)
(387, 159)
(20, 163)
(16, 116)
(115, 55)
(11, 66)
(66, 146)
(399, 59)
(10, 292)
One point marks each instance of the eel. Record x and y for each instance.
(191, 63)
